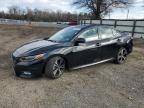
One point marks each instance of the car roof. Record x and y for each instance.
(84, 26)
(81, 27)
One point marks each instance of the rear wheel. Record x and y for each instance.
(121, 56)
(55, 67)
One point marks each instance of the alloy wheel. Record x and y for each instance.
(122, 55)
(58, 67)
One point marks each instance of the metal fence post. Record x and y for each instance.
(100, 21)
(90, 21)
(81, 22)
(115, 25)
(133, 30)
(84, 22)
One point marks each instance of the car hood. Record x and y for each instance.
(34, 47)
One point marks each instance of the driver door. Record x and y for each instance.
(88, 52)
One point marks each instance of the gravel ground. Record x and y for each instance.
(102, 86)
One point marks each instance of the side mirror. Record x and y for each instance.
(80, 41)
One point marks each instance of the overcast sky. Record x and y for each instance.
(64, 5)
(136, 11)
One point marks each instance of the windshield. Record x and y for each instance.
(65, 35)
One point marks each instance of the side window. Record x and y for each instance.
(105, 33)
(90, 35)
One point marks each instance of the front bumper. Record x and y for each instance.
(28, 70)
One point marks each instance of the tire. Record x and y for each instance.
(121, 56)
(55, 67)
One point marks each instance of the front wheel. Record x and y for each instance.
(121, 56)
(55, 67)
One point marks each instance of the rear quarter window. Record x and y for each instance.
(105, 33)
(116, 33)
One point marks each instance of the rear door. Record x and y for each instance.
(108, 42)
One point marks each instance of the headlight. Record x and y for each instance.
(32, 58)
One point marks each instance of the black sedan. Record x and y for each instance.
(71, 48)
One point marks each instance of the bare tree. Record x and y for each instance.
(100, 7)
(40, 15)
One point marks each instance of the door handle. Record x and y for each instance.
(98, 44)
(118, 40)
